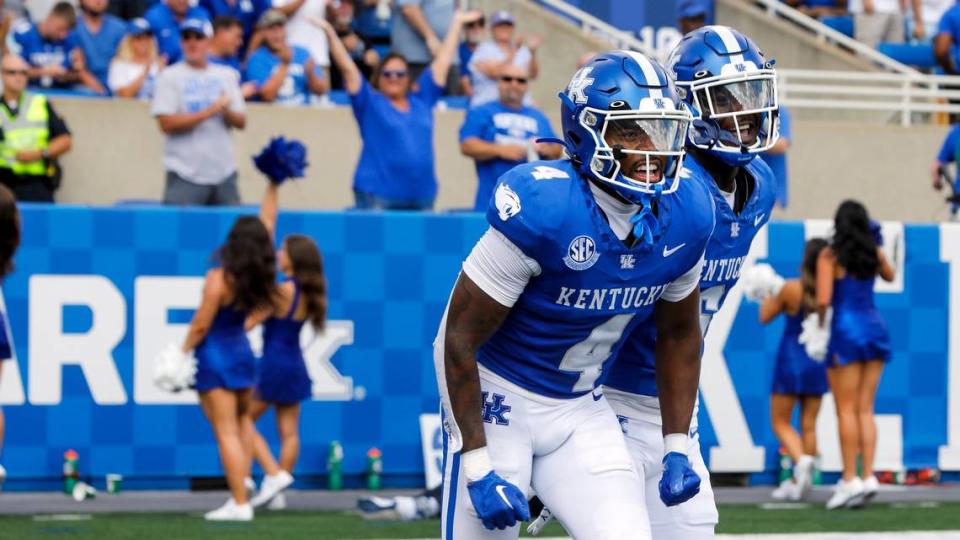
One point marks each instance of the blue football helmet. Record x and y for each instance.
(622, 103)
(731, 90)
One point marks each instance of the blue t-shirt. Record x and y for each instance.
(295, 89)
(592, 290)
(496, 123)
(248, 12)
(948, 151)
(38, 51)
(778, 162)
(232, 62)
(166, 28)
(405, 172)
(950, 24)
(100, 48)
(635, 368)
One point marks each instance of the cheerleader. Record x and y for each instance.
(242, 283)
(859, 345)
(282, 378)
(797, 378)
(9, 241)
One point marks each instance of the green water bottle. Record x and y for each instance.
(335, 466)
(71, 470)
(817, 470)
(786, 465)
(374, 469)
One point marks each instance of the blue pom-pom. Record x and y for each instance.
(282, 160)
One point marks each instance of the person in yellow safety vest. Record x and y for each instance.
(32, 136)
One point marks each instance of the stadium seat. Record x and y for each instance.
(920, 56)
(844, 25)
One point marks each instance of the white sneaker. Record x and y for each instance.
(231, 511)
(278, 503)
(271, 486)
(803, 476)
(787, 491)
(3, 476)
(847, 494)
(870, 488)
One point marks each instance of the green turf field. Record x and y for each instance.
(733, 518)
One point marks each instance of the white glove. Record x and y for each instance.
(760, 281)
(815, 339)
(538, 524)
(173, 369)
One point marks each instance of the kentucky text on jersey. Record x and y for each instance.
(722, 269)
(606, 299)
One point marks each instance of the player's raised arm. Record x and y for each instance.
(472, 318)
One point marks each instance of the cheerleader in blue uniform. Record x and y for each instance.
(9, 242)
(859, 343)
(282, 378)
(242, 283)
(797, 378)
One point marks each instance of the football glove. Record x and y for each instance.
(679, 482)
(499, 504)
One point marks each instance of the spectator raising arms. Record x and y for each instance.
(33, 136)
(502, 134)
(392, 117)
(196, 105)
(366, 59)
(99, 35)
(165, 18)
(503, 50)
(134, 71)
(282, 74)
(51, 50)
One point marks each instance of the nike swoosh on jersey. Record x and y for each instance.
(758, 219)
(596, 397)
(500, 492)
(669, 252)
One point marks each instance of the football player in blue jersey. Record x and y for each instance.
(9, 242)
(730, 88)
(578, 253)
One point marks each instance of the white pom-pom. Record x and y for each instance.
(174, 370)
(814, 338)
(760, 281)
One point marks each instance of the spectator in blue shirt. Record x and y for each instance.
(248, 12)
(283, 73)
(945, 45)
(225, 49)
(502, 134)
(165, 18)
(99, 35)
(51, 50)
(948, 154)
(396, 166)
(776, 157)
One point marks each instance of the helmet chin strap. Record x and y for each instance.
(709, 134)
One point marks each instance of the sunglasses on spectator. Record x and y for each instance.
(187, 36)
(475, 24)
(12, 72)
(393, 74)
(509, 79)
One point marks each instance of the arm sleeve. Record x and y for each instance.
(55, 122)
(681, 287)
(499, 267)
(165, 98)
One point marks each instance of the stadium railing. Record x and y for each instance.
(913, 96)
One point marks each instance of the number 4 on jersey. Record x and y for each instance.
(542, 172)
(588, 356)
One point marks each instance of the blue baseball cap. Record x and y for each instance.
(139, 27)
(199, 26)
(691, 8)
(501, 17)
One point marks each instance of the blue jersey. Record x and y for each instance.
(39, 51)
(592, 288)
(634, 369)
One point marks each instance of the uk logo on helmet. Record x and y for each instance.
(577, 91)
(581, 254)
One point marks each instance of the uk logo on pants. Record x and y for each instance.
(494, 409)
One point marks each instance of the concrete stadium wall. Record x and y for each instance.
(118, 150)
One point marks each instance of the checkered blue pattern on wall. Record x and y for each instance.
(391, 274)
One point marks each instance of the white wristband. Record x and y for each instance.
(676, 442)
(476, 463)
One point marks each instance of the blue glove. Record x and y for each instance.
(498, 503)
(877, 231)
(679, 482)
(282, 159)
